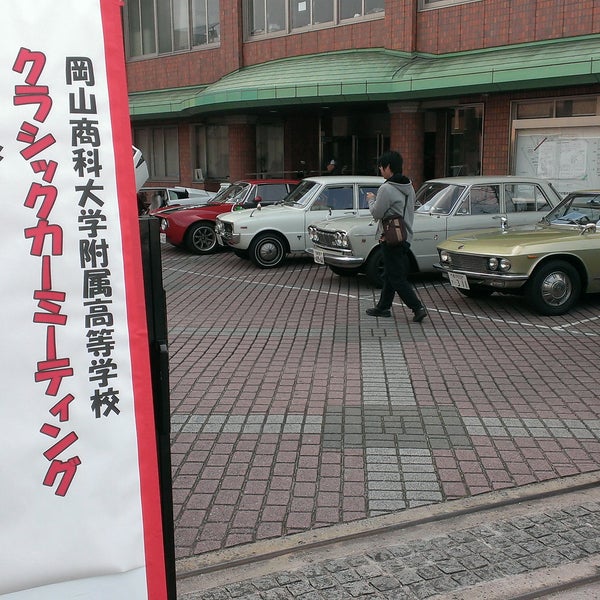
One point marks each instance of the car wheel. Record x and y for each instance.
(344, 272)
(554, 288)
(267, 250)
(476, 292)
(201, 239)
(374, 268)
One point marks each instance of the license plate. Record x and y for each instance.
(458, 280)
(318, 256)
(163, 238)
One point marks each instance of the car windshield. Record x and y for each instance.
(231, 194)
(302, 195)
(577, 208)
(437, 197)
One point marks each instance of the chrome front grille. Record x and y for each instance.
(468, 262)
(326, 239)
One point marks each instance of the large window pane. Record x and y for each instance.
(165, 27)
(180, 25)
(322, 11)
(350, 9)
(300, 13)
(160, 147)
(217, 145)
(275, 15)
(256, 16)
(199, 25)
(214, 22)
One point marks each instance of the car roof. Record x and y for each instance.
(263, 181)
(346, 179)
(467, 180)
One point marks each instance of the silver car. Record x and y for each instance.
(444, 207)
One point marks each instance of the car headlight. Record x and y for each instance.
(499, 264)
(164, 224)
(445, 257)
(312, 234)
(505, 265)
(341, 239)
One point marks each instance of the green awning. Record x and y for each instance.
(381, 75)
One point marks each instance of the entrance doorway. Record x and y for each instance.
(354, 141)
(465, 129)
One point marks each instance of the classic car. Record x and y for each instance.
(444, 207)
(551, 263)
(158, 198)
(268, 234)
(194, 227)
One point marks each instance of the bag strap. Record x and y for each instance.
(404, 211)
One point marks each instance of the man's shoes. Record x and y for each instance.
(420, 314)
(378, 312)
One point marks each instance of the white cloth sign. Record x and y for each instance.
(79, 499)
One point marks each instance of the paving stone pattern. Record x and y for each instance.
(426, 568)
(293, 410)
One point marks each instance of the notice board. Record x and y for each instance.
(80, 501)
(569, 157)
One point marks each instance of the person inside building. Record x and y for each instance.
(396, 196)
(332, 167)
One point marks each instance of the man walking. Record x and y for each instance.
(396, 196)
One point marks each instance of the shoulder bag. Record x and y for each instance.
(394, 228)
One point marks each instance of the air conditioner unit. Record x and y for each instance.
(198, 176)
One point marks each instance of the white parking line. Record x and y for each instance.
(567, 327)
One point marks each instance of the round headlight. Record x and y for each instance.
(505, 265)
(445, 257)
(164, 224)
(341, 240)
(493, 264)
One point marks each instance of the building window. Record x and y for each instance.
(264, 17)
(160, 147)
(170, 25)
(583, 106)
(429, 4)
(211, 152)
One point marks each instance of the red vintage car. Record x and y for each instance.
(194, 227)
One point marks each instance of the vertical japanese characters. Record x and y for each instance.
(54, 370)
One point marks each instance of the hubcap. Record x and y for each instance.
(269, 252)
(556, 289)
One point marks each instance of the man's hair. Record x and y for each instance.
(392, 159)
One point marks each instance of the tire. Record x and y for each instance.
(554, 288)
(267, 250)
(200, 238)
(241, 254)
(476, 292)
(344, 272)
(374, 268)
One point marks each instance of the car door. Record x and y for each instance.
(525, 203)
(479, 208)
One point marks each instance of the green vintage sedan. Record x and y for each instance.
(551, 263)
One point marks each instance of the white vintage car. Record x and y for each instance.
(267, 234)
(444, 207)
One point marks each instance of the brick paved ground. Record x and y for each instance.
(293, 410)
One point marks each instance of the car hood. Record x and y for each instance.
(345, 223)
(517, 240)
(276, 210)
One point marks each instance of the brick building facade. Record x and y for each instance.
(227, 89)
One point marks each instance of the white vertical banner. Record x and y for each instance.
(79, 498)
